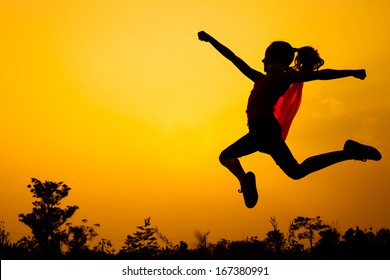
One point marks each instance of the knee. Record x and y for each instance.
(225, 159)
(294, 173)
(295, 176)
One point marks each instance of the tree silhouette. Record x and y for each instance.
(171, 251)
(293, 246)
(202, 239)
(358, 244)
(143, 243)
(78, 236)
(164, 239)
(250, 248)
(382, 243)
(309, 227)
(329, 237)
(328, 246)
(275, 241)
(104, 247)
(47, 217)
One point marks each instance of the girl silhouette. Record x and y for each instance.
(271, 107)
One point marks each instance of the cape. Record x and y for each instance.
(287, 107)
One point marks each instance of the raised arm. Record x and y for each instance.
(325, 74)
(238, 62)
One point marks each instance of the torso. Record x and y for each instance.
(265, 94)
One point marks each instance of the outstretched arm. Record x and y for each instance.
(329, 74)
(238, 62)
(326, 74)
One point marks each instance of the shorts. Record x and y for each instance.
(265, 135)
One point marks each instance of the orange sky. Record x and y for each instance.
(119, 100)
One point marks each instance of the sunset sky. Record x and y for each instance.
(121, 101)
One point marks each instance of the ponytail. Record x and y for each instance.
(307, 59)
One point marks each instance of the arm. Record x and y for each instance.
(326, 74)
(238, 62)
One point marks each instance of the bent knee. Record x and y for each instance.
(294, 173)
(221, 158)
(225, 158)
(295, 176)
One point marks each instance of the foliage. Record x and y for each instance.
(202, 239)
(5, 239)
(47, 217)
(275, 241)
(104, 247)
(47, 222)
(143, 242)
(308, 228)
(78, 236)
(164, 239)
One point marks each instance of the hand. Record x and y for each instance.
(360, 74)
(203, 36)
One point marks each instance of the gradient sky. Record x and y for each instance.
(119, 100)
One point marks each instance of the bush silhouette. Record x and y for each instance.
(53, 238)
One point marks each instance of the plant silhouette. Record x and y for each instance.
(78, 236)
(5, 239)
(47, 217)
(143, 242)
(275, 240)
(309, 227)
(53, 238)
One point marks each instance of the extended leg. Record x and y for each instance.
(318, 162)
(352, 150)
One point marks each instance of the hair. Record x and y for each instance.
(307, 58)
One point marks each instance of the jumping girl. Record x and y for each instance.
(271, 107)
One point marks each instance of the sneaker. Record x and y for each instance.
(361, 152)
(249, 190)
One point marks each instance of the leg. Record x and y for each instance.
(284, 158)
(318, 162)
(229, 157)
(352, 150)
(234, 166)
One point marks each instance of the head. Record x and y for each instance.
(278, 53)
(282, 53)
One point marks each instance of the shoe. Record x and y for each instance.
(249, 190)
(361, 152)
